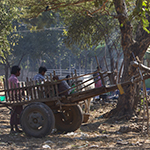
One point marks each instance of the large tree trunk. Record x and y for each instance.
(127, 102)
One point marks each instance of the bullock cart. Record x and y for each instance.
(44, 108)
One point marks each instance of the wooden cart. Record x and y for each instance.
(44, 108)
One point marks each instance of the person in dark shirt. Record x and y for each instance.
(68, 81)
(62, 86)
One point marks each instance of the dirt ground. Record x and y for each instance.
(97, 133)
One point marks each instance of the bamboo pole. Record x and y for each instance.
(31, 89)
(4, 83)
(56, 88)
(34, 90)
(26, 86)
(15, 95)
(23, 91)
(41, 89)
(19, 91)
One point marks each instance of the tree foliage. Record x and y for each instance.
(7, 14)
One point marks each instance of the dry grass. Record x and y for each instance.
(97, 133)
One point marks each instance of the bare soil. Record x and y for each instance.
(98, 133)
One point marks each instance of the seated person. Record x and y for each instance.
(68, 81)
(40, 75)
(62, 86)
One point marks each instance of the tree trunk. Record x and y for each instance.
(127, 102)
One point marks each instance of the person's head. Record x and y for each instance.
(15, 70)
(55, 77)
(42, 70)
(68, 76)
(99, 67)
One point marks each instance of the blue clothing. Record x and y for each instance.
(38, 77)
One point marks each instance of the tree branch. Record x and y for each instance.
(21, 59)
(54, 6)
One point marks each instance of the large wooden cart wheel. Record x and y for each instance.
(37, 119)
(68, 119)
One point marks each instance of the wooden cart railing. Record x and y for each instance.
(32, 91)
(43, 91)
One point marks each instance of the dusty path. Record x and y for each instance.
(97, 133)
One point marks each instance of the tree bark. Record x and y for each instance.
(138, 46)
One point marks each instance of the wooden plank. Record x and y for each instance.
(31, 89)
(41, 90)
(3, 104)
(47, 79)
(56, 89)
(23, 91)
(34, 89)
(11, 93)
(27, 89)
(19, 92)
(16, 94)
(53, 88)
(4, 83)
(37, 89)
(48, 89)
(7, 93)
